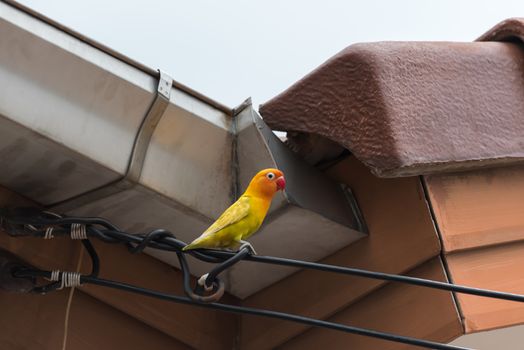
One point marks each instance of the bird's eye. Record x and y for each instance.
(270, 176)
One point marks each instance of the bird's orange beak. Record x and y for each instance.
(281, 183)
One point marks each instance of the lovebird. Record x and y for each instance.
(244, 217)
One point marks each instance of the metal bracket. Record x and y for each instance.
(355, 208)
(246, 103)
(138, 153)
(149, 123)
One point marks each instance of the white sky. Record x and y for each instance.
(229, 50)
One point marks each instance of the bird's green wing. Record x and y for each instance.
(236, 212)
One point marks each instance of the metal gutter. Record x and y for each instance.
(138, 153)
(154, 73)
(83, 132)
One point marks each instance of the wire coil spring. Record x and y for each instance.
(66, 279)
(78, 231)
(49, 233)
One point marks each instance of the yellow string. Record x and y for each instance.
(70, 299)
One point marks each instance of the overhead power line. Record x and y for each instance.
(32, 222)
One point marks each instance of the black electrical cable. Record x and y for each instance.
(95, 260)
(37, 224)
(95, 269)
(164, 240)
(387, 277)
(251, 311)
(153, 235)
(242, 254)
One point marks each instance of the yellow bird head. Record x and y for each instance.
(266, 183)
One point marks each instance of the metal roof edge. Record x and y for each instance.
(140, 66)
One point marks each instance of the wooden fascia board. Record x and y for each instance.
(495, 267)
(480, 218)
(478, 208)
(30, 321)
(395, 308)
(402, 236)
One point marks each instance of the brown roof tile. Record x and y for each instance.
(406, 108)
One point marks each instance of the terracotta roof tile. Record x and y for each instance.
(406, 108)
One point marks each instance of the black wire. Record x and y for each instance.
(95, 269)
(212, 275)
(198, 294)
(33, 220)
(215, 256)
(153, 235)
(376, 275)
(387, 277)
(95, 261)
(252, 311)
(278, 315)
(164, 240)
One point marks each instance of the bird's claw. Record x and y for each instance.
(248, 246)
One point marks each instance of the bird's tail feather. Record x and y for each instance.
(188, 247)
(193, 245)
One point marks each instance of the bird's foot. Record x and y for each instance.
(248, 245)
(202, 282)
